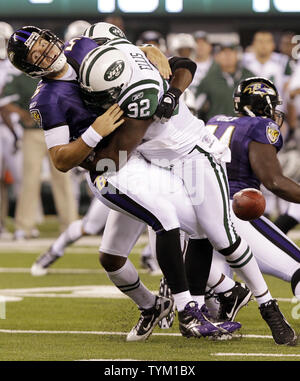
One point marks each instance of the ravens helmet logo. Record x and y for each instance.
(259, 88)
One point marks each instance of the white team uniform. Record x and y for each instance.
(195, 155)
(293, 210)
(275, 253)
(95, 218)
(10, 159)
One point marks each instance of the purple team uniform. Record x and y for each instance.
(58, 102)
(246, 129)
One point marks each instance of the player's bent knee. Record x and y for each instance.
(232, 248)
(111, 262)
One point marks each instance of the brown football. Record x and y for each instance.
(248, 204)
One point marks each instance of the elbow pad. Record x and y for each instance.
(183, 63)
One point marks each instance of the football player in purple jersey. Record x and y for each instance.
(254, 139)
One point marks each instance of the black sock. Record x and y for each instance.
(170, 259)
(286, 223)
(198, 259)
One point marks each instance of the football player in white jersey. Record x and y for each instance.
(40, 53)
(181, 143)
(10, 131)
(202, 150)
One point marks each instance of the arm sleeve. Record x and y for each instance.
(182, 63)
(57, 136)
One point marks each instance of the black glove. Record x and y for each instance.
(167, 105)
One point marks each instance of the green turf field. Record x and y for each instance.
(75, 313)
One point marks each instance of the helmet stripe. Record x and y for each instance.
(21, 38)
(24, 31)
(91, 31)
(89, 68)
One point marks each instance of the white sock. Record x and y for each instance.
(264, 298)
(199, 299)
(182, 299)
(70, 235)
(127, 280)
(244, 264)
(226, 284)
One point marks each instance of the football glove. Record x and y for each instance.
(167, 105)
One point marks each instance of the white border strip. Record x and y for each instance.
(256, 354)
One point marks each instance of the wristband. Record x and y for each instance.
(91, 137)
(176, 92)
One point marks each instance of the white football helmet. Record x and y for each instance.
(103, 73)
(76, 29)
(102, 32)
(5, 32)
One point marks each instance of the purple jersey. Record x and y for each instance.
(57, 102)
(238, 133)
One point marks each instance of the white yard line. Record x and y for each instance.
(104, 333)
(255, 354)
(26, 270)
(41, 243)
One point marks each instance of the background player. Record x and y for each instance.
(254, 138)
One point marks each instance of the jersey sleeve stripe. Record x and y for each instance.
(145, 83)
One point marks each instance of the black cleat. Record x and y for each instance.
(149, 319)
(233, 300)
(282, 332)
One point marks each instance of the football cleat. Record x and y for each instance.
(282, 332)
(149, 319)
(165, 291)
(193, 322)
(226, 328)
(233, 300)
(40, 266)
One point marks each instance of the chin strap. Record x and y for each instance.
(248, 111)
